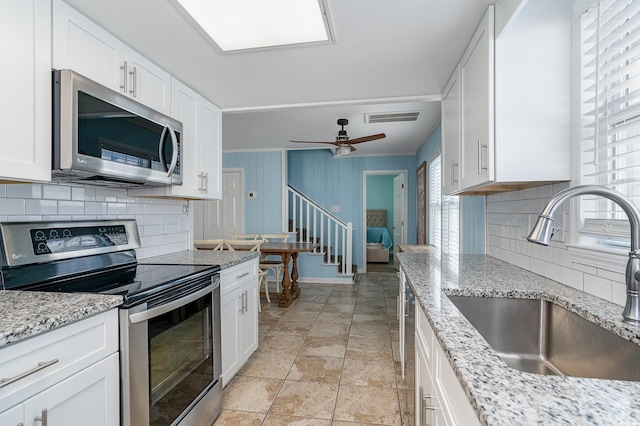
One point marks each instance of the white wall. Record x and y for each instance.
(163, 224)
(508, 223)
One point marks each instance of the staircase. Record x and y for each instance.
(314, 224)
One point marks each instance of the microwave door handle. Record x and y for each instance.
(161, 148)
(174, 157)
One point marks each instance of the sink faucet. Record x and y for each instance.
(543, 230)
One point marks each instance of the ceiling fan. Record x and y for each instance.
(344, 145)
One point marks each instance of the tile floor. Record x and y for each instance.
(331, 358)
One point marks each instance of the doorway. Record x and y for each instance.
(384, 190)
(221, 218)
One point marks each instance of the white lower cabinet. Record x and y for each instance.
(239, 300)
(439, 397)
(68, 376)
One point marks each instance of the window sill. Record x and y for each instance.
(614, 260)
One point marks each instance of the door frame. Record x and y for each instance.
(405, 201)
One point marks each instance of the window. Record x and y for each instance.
(435, 201)
(610, 115)
(450, 225)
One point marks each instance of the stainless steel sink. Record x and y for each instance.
(541, 337)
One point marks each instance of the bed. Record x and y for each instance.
(378, 239)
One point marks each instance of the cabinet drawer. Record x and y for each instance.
(234, 277)
(48, 358)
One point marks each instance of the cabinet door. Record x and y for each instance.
(25, 105)
(90, 397)
(230, 322)
(210, 151)
(148, 83)
(477, 89)
(13, 416)
(451, 129)
(249, 322)
(81, 45)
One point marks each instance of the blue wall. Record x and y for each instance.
(339, 182)
(380, 196)
(263, 174)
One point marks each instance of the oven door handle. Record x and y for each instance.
(163, 309)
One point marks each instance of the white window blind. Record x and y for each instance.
(450, 225)
(435, 201)
(610, 127)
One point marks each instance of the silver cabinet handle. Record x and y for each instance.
(205, 180)
(454, 165)
(242, 275)
(123, 86)
(480, 166)
(42, 418)
(398, 307)
(424, 408)
(134, 82)
(41, 366)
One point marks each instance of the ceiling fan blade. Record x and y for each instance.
(330, 143)
(367, 138)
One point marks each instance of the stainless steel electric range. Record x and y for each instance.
(170, 354)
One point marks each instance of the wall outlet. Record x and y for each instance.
(335, 208)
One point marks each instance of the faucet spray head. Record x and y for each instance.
(542, 231)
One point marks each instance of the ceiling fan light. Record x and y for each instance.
(343, 150)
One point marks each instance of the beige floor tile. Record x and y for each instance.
(300, 316)
(279, 420)
(321, 329)
(371, 373)
(235, 418)
(281, 342)
(292, 326)
(342, 300)
(308, 305)
(324, 346)
(268, 364)
(334, 318)
(369, 348)
(366, 330)
(368, 309)
(352, 424)
(252, 394)
(371, 319)
(316, 369)
(306, 399)
(338, 308)
(368, 405)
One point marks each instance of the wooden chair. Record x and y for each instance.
(245, 236)
(251, 245)
(215, 244)
(274, 263)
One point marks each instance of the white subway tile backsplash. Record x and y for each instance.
(40, 207)
(597, 286)
(58, 202)
(510, 215)
(24, 191)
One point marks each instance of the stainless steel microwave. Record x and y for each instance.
(103, 137)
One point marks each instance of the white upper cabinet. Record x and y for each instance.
(25, 104)
(81, 45)
(451, 119)
(476, 75)
(201, 145)
(515, 107)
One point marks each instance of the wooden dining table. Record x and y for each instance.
(288, 251)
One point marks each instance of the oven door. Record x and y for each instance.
(170, 359)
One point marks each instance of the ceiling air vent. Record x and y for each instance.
(391, 117)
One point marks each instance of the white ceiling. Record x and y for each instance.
(387, 56)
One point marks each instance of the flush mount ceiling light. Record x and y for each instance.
(252, 24)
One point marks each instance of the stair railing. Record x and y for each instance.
(313, 223)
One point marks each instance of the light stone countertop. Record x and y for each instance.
(224, 258)
(499, 394)
(27, 313)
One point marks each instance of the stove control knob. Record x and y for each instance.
(53, 233)
(66, 233)
(42, 248)
(39, 235)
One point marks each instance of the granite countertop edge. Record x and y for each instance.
(35, 312)
(499, 394)
(224, 258)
